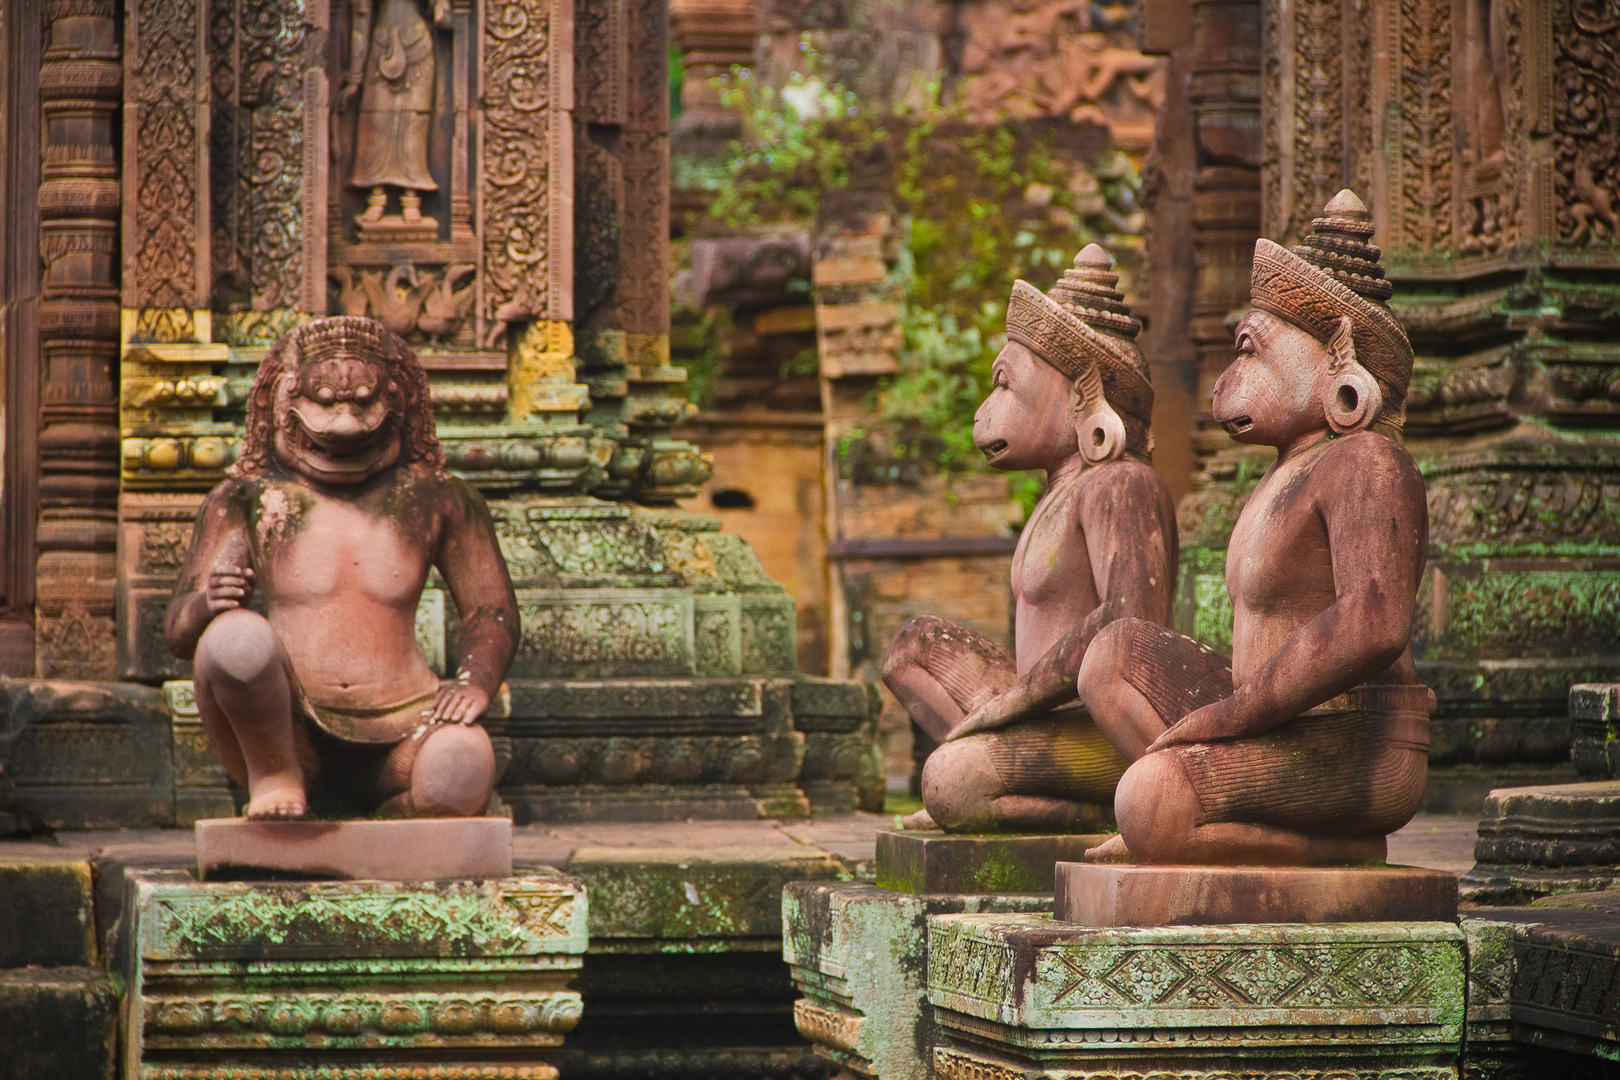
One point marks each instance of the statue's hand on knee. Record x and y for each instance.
(227, 589)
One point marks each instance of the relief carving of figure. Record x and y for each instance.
(1071, 396)
(1312, 744)
(336, 511)
(391, 68)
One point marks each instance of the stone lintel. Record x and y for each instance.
(1092, 894)
(415, 849)
(917, 861)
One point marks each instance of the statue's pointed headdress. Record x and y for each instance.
(1332, 287)
(1084, 329)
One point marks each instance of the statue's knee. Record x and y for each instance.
(454, 772)
(904, 647)
(237, 651)
(959, 781)
(1156, 807)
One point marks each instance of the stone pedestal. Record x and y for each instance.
(1535, 841)
(917, 861)
(860, 956)
(279, 980)
(420, 849)
(1106, 895)
(1020, 995)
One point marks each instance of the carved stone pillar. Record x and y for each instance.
(621, 269)
(1484, 136)
(80, 79)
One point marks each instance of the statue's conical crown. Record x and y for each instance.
(1082, 319)
(1341, 244)
(1087, 290)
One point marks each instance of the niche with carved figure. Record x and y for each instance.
(402, 244)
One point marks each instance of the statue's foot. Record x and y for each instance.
(1112, 850)
(920, 820)
(277, 804)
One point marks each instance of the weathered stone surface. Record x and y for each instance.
(349, 974)
(1536, 841)
(1017, 993)
(667, 899)
(1549, 977)
(57, 1023)
(1594, 712)
(88, 755)
(1092, 894)
(417, 849)
(936, 862)
(859, 954)
(46, 912)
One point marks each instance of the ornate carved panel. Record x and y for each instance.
(1305, 131)
(271, 171)
(166, 246)
(1586, 121)
(1420, 201)
(526, 221)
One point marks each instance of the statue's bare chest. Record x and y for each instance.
(1052, 560)
(336, 550)
(1279, 547)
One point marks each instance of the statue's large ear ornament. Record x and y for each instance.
(1351, 398)
(1098, 427)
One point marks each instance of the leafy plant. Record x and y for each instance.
(983, 206)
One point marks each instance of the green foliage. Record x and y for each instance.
(984, 206)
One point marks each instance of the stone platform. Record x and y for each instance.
(1023, 995)
(684, 976)
(417, 849)
(1106, 895)
(929, 861)
(284, 979)
(1537, 841)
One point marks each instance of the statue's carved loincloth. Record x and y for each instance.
(1355, 765)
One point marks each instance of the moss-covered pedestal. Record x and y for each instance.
(295, 980)
(1022, 995)
(859, 953)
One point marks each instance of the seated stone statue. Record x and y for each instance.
(337, 508)
(1312, 745)
(1070, 396)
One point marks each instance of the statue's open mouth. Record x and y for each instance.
(344, 457)
(1237, 425)
(995, 449)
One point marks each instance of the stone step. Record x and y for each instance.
(47, 911)
(1536, 841)
(56, 1023)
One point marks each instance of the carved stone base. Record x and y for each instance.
(1536, 841)
(1090, 894)
(1023, 995)
(293, 980)
(865, 1014)
(421, 849)
(916, 861)
(394, 229)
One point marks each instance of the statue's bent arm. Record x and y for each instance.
(221, 531)
(1131, 538)
(1367, 628)
(471, 563)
